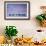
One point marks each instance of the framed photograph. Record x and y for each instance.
(17, 10)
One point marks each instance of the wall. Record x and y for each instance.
(25, 27)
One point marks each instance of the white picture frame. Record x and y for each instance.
(16, 10)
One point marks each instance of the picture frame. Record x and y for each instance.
(16, 10)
